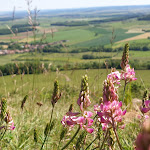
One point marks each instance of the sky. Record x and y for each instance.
(8, 5)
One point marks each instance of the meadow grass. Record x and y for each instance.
(34, 116)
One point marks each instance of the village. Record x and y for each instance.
(29, 48)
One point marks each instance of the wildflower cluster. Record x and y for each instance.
(84, 120)
(109, 112)
(128, 74)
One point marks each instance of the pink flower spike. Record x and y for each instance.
(128, 75)
(110, 114)
(114, 77)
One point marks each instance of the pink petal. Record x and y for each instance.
(89, 114)
(147, 103)
(90, 121)
(79, 101)
(100, 114)
(124, 112)
(81, 120)
(145, 110)
(81, 106)
(90, 130)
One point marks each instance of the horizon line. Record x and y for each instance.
(6, 11)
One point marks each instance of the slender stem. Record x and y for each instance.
(48, 131)
(104, 139)
(3, 135)
(124, 91)
(95, 147)
(95, 116)
(117, 138)
(91, 142)
(71, 138)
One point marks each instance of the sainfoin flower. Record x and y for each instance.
(70, 119)
(84, 118)
(83, 101)
(128, 74)
(84, 121)
(109, 91)
(146, 107)
(114, 77)
(11, 125)
(111, 114)
(9, 121)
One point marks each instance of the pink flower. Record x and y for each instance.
(85, 121)
(11, 125)
(110, 114)
(83, 100)
(147, 106)
(114, 77)
(97, 108)
(70, 119)
(109, 91)
(128, 75)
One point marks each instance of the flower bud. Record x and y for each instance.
(125, 56)
(56, 96)
(3, 108)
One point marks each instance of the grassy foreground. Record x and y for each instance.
(39, 89)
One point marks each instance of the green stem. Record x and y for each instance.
(117, 138)
(48, 131)
(3, 135)
(92, 142)
(124, 91)
(104, 139)
(95, 116)
(71, 138)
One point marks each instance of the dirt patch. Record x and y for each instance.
(138, 37)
